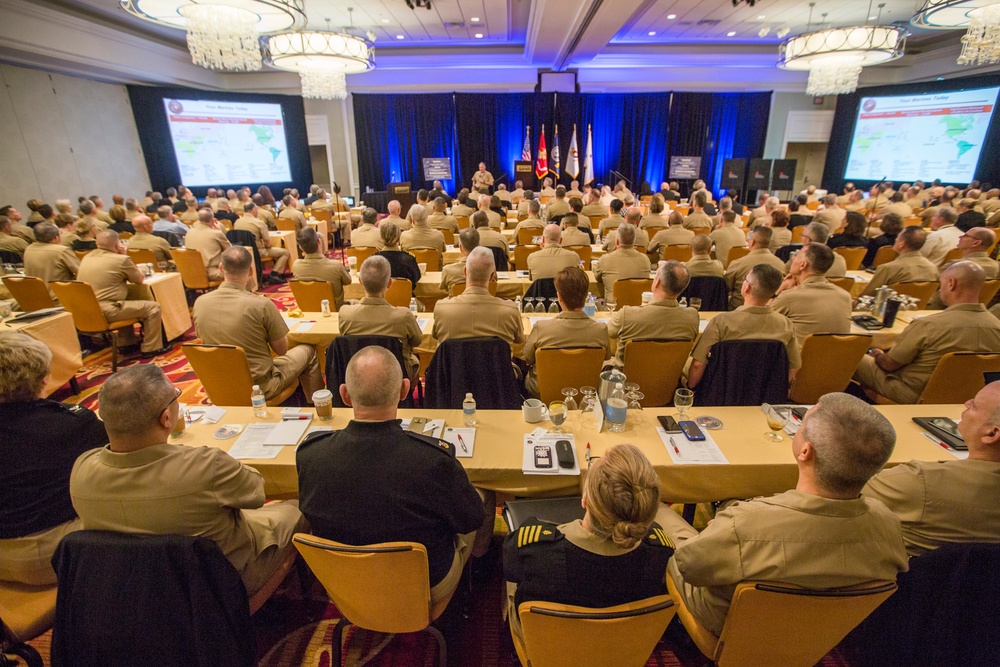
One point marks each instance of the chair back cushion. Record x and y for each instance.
(224, 372)
(656, 367)
(828, 362)
(958, 377)
(79, 299)
(711, 290)
(30, 292)
(567, 367)
(744, 372)
(481, 365)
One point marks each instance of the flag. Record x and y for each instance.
(526, 149)
(555, 154)
(573, 166)
(542, 161)
(588, 161)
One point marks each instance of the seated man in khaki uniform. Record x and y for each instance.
(570, 328)
(571, 232)
(909, 266)
(816, 232)
(964, 326)
(109, 270)
(291, 212)
(231, 315)
(759, 243)
(488, 236)
(421, 235)
(552, 258)
(249, 222)
(632, 219)
(374, 316)
(475, 312)
(821, 534)
(753, 321)
(809, 300)
(674, 234)
(660, 319)
(624, 263)
(439, 219)
(263, 212)
(726, 236)
(594, 206)
(613, 220)
(206, 236)
(462, 207)
(483, 204)
(701, 263)
(8, 241)
(697, 218)
(832, 215)
(67, 229)
(143, 239)
(559, 205)
(367, 234)
(942, 503)
(533, 221)
(316, 266)
(454, 273)
(394, 208)
(18, 228)
(47, 258)
(140, 483)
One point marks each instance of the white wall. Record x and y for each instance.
(63, 137)
(343, 142)
(781, 104)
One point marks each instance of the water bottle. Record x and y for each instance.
(517, 302)
(616, 410)
(413, 305)
(590, 308)
(258, 402)
(469, 410)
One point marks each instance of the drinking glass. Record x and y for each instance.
(635, 415)
(609, 298)
(587, 406)
(776, 420)
(554, 305)
(695, 303)
(570, 401)
(528, 301)
(683, 399)
(557, 415)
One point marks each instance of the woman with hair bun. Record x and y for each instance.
(616, 554)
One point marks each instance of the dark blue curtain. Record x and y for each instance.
(395, 132)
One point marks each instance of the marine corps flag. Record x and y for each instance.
(573, 166)
(555, 154)
(588, 161)
(542, 160)
(526, 149)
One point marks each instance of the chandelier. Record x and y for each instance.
(322, 60)
(981, 43)
(834, 56)
(222, 34)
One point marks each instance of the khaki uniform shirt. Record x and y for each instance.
(573, 193)
(51, 262)
(815, 306)
(528, 223)
(660, 319)
(146, 241)
(725, 238)
(780, 237)
(550, 260)
(704, 265)
(461, 209)
(267, 215)
(210, 242)
(422, 237)
(67, 238)
(494, 218)
(173, 489)
(902, 208)
(492, 239)
(377, 317)
(474, 313)
(907, 267)
(315, 266)
(259, 323)
(596, 208)
(793, 538)
(675, 235)
(653, 220)
(367, 236)
(556, 207)
(109, 274)
(452, 274)
(188, 217)
(831, 217)
(503, 195)
(295, 215)
(915, 202)
(403, 225)
(738, 270)
(567, 329)
(939, 242)
(258, 228)
(748, 323)
(985, 262)
(22, 231)
(12, 243)
(547, 192)
(481, 179)
(843, 199)
(857, 206)
(99, 223)
(837, 270)
(609, 223)
(621, 264)
(641, 239)
(573, 236)
(438, 221)
(522, 208)
(697, 220)
(941, 503)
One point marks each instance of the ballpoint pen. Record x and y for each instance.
(674, 445)
(461, 442)
(588, 453)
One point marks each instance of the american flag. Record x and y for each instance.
(526, 149)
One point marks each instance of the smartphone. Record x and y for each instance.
(565, 454)
(669, 424)
(543, 457)
(418, 424)
(691, 431)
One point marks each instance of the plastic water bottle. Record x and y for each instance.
(413, 305)
(469, 410)
(258, 402)
(616, 410)
(590, 307)
(517, 302)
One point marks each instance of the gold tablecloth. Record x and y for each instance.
(59, 335)
(166, 289)
(429, 286)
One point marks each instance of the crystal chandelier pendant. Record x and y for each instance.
(223, 37)
(833, 77)
(323, 84)
(981, 44)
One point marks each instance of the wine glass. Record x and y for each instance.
(570, 401)
(695, 303)
(683, 399)
(635, 415)
(528, 307)
(554, 305)
(587, 406)
(776, 420)
(557, 415)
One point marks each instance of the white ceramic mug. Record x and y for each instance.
(532, 410)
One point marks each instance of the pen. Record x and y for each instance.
(462, 442)
(936, 441)
(674, 445)
(295, 418)
(588, 453)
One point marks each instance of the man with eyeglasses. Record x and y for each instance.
(140, 483)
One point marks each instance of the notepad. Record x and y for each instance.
(305, 326)
(464, 447)
(422, 323)
(287, 433)
(684, 451)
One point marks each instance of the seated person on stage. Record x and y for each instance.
(475, 312)
(624, 263)
(572, 235)
(40, 441)
(809, 300)
(674, 234)
(533, 221)
(755, 320)
(488, 236)
(964, 326)
(454, 273)
(367, 235)
(231, 315)
(701, 263)
(552, 258)
(206, 236)
(109, 271)
(144, 239)
(570, 328)
(759, 242)
(613, 556)
(822, 534)
(374, 316)
(946, 502)
(660, 319)
(439, 219)
(395, 209)
(403, 264)
(250, 222)
(613, 220)
(910, 265)
(373, 482)
(317, 266)
(140, 483)
(421, 235)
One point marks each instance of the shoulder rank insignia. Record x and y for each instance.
(657, 538)
(536, 532)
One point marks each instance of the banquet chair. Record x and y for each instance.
(828, 362)
(309, 294)
(922, 290)
(797, 233)
(846, 283)
(378, 587)
(585, 252)
(79, 299)
(463, 221)
(884, 255)
(449, 236)
(225, 373)
(429, 256)
(361, 253)
(653, 231)
(191, 265)
(957, 378)
(284, 224)
(952, 255)
(738, 251)
(989, 290)
(526, 235)
(26, 612)
(521, 253)
(656, 365)
(143, 256)
(852, 257)
(680, 252)
(399, 293)
(30, 292)
(628, 291)
(567, 367)
(561, 634)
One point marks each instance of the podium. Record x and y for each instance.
(524, 171)
(403, 193)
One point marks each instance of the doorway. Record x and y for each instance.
(810, 160)
(320, 165)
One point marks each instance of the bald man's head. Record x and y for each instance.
(551, 235)
(142, 223)
(108, 240)
(961, 282)
(394, 208)
(373, 378)
(480, 267)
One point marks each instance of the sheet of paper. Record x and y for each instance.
(287, 432)
(250, 445)
(702, 325)
(290, 322)
(681, 450)
(547, 440)
(598, 413)
(503, 275)
(957, 453)
(535, 318)
(305, 326)
(213, 414)
(422, 322)
(522, 274)
(434, 427)
(860, 279)
(464, 447)
(538, 432)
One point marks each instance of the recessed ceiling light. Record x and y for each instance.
(761, 17)
(479, 35)
(730, 33)
(872, 18)
(652, 33)
(385, 20)
(940, 78)
(475, 19)
(671, 16)
(399, 37)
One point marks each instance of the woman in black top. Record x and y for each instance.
(853, 235)
(891, 226)
(615, 555)
(796, 219)
(87, 232)
(404, 265)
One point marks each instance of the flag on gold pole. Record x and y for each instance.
(542, 159)
(588, 162)
(555, 154)
(573, 166)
